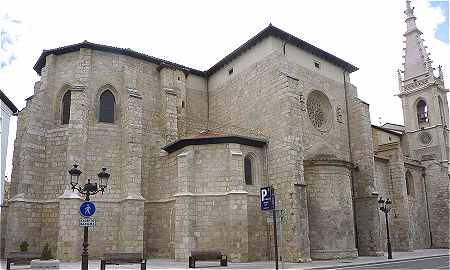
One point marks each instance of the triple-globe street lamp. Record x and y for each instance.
(87, 190)
(385, 206)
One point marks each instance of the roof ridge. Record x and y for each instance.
(270, 30)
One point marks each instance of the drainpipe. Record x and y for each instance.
(351, 161)
(207, 102)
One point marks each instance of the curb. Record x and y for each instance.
(373, 263)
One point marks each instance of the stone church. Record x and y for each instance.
(188, 151)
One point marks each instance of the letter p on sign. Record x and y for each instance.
(266, 198)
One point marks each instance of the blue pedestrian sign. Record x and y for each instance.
(87, 209)
(266, 198)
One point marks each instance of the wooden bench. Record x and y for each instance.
(207, 255)
(20, 257)
(122, 258)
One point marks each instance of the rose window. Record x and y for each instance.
(319, 110)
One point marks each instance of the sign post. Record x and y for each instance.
(87, 210)
(267, 195)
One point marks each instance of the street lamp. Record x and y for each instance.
(385, 206)
(87, 190)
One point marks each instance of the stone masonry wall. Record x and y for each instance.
(330, 199)
(259, 102)
(437, 185)
(45, 149)
(212, 208)
(269, 100)
(418, 209)
(365, 204)
(416, 204)
(160, 229)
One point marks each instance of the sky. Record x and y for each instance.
(198, 33)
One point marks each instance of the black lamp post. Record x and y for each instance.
(385, 206)
(87, 190)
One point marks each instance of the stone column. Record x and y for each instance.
(70, 234)
(237, 223)
(78, 128)
(364, 193)
(132, 220)
(184, 206)
(303, 222)
(437, 192)
(399, 223)
(131, 233)
(237, 227)
(30, 144)
(290, 188)
(172, 87)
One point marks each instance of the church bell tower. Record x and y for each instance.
(424, 98)
(425, 138)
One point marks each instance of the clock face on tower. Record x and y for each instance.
(425, 138)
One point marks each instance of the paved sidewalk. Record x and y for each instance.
(170, 264)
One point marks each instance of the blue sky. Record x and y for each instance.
(442, 28)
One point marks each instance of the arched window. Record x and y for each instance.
(409, 184)
(65, 116)
(106, 108)
(248, 170)
(441, 110)
(422, 111)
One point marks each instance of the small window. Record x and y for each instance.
(182, 104)
(422, 111)
(230, 71)
(65, 116)
(107, 106)
(316, 64)
(248, 171)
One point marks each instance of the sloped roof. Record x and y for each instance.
(213, 137)
(99, 47)
(276, 32)
(394, 127)
(390, 131)
(8, 102)
(268, 31)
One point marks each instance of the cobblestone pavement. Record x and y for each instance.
(331, 264)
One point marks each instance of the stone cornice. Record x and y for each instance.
(420, 85)
(329, 162)
(190, 194)
(426, 128)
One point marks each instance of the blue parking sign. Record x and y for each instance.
(266, 198)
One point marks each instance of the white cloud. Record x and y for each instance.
(368, 34)
(9, 35)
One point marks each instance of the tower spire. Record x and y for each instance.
(417, 60)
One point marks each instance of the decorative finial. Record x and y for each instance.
(441, 74)
(409, 10)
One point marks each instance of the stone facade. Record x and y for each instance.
(176, 153)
